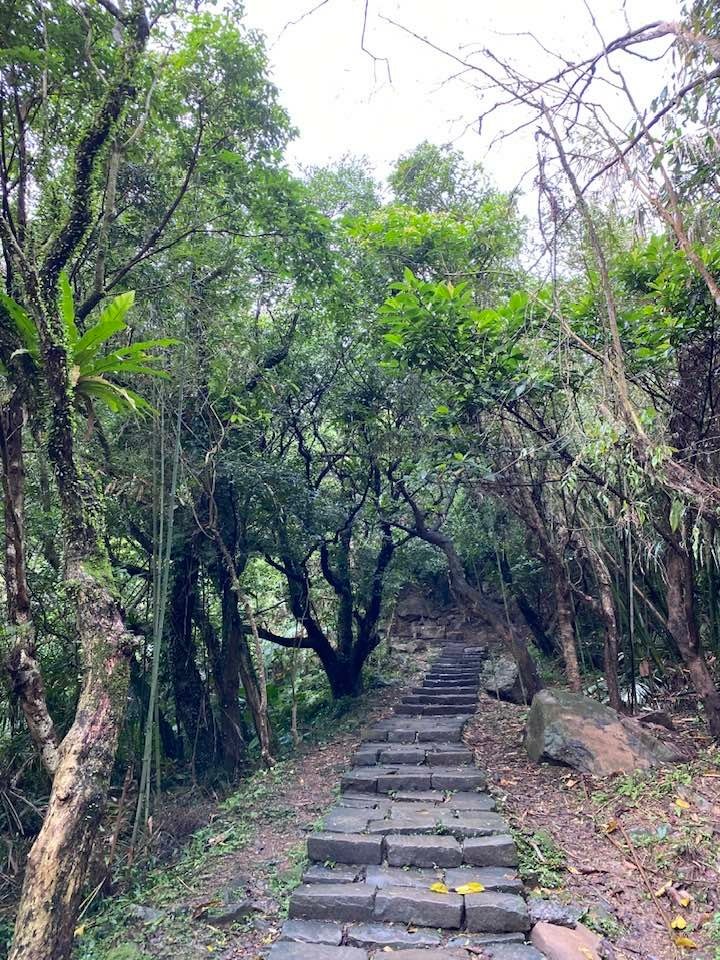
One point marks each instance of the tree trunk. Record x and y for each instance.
(22, 665)
(566, 626)
(53, 886)
(682, 624)
(533, 619)
(192, 704)
(605, 609)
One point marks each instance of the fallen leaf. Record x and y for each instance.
(79, 931)
(682, 803)
(573, 870)
(472, 887)
(611, 826)
(663, 889)
(687, 942)
(439, 888)
(678, 923)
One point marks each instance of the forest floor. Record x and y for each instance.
(637, 852)
(640, 852)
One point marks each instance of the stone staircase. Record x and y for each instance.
(413, 814)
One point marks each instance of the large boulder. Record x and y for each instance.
(582, 733)
(500, 678)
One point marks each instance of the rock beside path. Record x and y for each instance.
(571, 729)
(562, 943)
(500, 678)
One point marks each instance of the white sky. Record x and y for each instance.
(344, 103)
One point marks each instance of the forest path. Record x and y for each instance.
(413, 857)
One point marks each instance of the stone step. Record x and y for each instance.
(449, 688)
(287, 950)
(442, 699)
(447, 754)
(499, 879)
(432, 710)
(418, 730)
(389, 779)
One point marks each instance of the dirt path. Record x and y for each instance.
(671, 818)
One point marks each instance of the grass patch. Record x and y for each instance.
(541, 862)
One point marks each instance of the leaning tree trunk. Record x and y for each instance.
(55, 873)
(473, 600)
(682, 624)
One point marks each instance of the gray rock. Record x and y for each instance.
(146, 914)
(485, 939)
(421, 907)
(319, 873)
(344, 848)
(553, 911)
(588, 736)
(496, 912)
(495, 851)
(231, 912)
(387, 937)
(457, 778)
(332, 901)
(423, 851)
(287, 950)
(346, 820)
(500, 678)
(312, 931)
(512, 952)
(398, 877)
(472, 824)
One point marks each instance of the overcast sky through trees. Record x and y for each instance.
(343, 101)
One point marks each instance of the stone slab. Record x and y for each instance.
(496, 851)
(419, 907)
(288, 950)
(319, 873)
(398, 877)
(313, 931)
(457, 778)
(500, 879)
(344, 848)
(332, 901)
(389, 937)
(423, 851)
(496, 912)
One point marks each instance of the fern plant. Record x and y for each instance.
(94, 370)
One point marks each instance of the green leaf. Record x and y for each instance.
(24, 325)
(676, 514)
(110, 322)
(115, 397)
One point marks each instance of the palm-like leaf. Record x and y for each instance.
(90, 366)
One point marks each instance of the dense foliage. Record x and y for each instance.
(240, 409)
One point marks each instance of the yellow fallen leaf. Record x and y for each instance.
(685, 900)
(682, 803)
(687, 942)
(472, 887)
(573, 870)
(678, 923)
(439, 888)
(663, 889)
(611, 826)
(79, 931)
